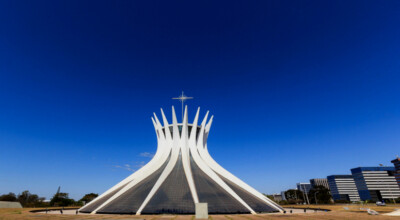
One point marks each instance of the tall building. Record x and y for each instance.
(283, 195)
(343, 187)
(319, 182)
(304, 187)
(376, 183)
(277, 197)
(396, 163)
(181, 174)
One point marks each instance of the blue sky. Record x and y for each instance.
(298, 89)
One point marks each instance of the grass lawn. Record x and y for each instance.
(338, 212)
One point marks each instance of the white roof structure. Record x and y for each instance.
(181, 174)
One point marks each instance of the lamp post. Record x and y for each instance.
(315, 196)
(306, 193)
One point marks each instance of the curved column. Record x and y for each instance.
(144, 169)
(207, 170)
(223, 172)
(164, 149)
(184, 145)
(171, 163)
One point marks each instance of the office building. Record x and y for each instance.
(277, 197)
(304, 187)
(319, 182)
(343, 187)
(376, 183)
(283, 195)
(396, 163)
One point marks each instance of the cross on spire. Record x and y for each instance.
(182, 99)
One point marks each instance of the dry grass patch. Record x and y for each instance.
(338, 212)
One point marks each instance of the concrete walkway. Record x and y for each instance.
(294, 211)
(394, 213)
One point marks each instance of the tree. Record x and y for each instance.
(88, 197)
(321, 194)
(294, 196)
(29, 200)
(61, 199)
(26, 199)
(8, 197)
(23, 197)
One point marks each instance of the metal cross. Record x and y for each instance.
(182, 99)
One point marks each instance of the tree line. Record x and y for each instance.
(59, 199)
(316, 195)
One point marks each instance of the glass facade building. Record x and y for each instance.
(376, 183)
(304, 187)
(343, 187)
(319, 182)
(396, 163)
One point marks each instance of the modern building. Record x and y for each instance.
(277, 197)
(396, 163)
(376, 183)
(283, 195)
(181, 175)
(319, 182)
(343, 187)
(304, 187)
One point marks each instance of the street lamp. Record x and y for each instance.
(305, 192)
(315, 196)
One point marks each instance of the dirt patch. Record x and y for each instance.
(338, 212)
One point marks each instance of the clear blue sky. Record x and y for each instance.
(298, 89)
